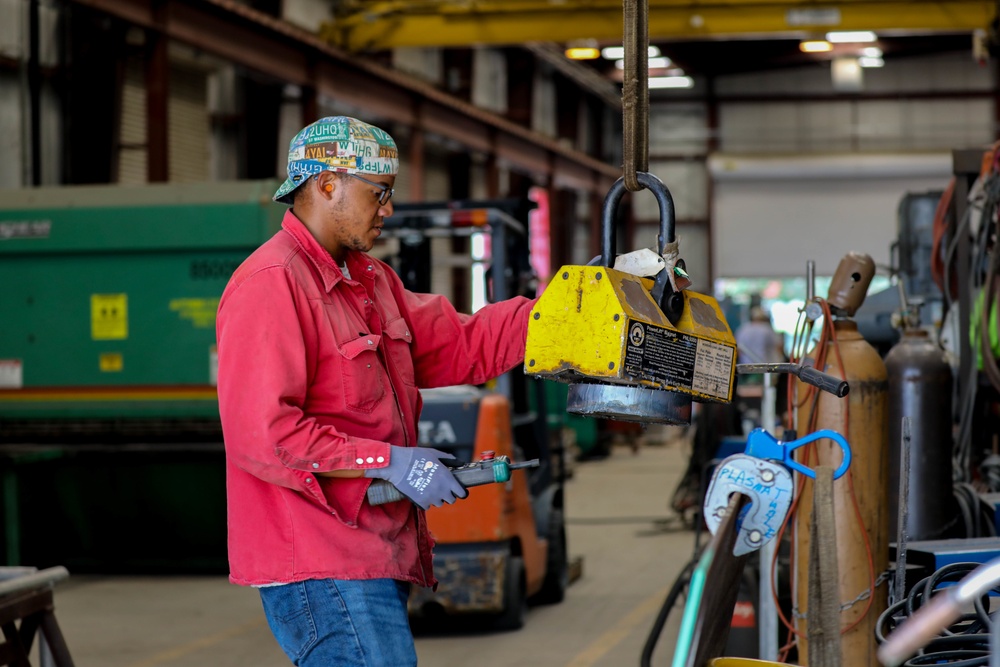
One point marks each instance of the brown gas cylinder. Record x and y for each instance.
(867, 408)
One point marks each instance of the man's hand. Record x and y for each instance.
(420, 476)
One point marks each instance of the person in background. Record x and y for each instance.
(758, 342)
(322, 353)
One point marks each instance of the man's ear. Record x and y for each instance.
(326, 183)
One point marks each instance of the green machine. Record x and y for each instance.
(110, 446)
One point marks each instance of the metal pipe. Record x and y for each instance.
(767, 624)
(810, 280)
(27, 582)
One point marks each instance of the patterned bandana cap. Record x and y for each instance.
(341, 144)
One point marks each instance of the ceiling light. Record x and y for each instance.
(815, 46)
(851, 36)
(868, 61)
(652, 63)
(871, 52)
(671, 82)
(846, 73)
(582, 53)
(618, 52)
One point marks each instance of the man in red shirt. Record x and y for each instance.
(321, 356)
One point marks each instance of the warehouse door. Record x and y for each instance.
(770, 215)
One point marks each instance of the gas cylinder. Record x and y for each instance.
(920, 386)
(865, 412)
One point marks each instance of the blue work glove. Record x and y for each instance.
(420, 476)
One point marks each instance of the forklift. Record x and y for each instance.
(505, 544)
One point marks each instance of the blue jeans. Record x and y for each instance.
(337, 623)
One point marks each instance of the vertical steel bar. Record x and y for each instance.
(157, 102)
(767, 610)
(35, 92)
(899, 590)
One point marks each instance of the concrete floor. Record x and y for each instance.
(618, 521)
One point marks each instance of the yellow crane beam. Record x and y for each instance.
(394, 23)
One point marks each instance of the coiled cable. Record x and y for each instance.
(966, 643)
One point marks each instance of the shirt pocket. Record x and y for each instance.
(398, 341)
(362, 373)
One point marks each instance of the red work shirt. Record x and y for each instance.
(318, 372)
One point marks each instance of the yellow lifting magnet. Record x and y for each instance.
(633, 347)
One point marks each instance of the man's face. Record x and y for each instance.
(354, 213)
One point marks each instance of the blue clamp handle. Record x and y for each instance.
(763, 445)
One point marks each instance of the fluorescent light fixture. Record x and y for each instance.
(815, 46)
(866, 61)
(871, 52)
(582, 53)
(652, 63)
(851, 36)
(618, 52)
(671, 82)
(847, 74)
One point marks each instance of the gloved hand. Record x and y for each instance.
(420, 476)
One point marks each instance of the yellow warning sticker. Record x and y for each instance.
(109, 316)
(201, 312)
(112, 362)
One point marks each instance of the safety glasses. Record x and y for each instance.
(385, 193)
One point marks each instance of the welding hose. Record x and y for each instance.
(661, 619)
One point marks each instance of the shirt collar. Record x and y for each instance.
(360, 265)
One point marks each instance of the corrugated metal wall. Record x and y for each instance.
(189, 129)
(759, 115)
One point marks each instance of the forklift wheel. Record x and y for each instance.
(556, 581)
(515, 606)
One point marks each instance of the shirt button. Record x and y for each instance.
(369, 267)
(371, 460)
(381, 459)
(359, 461)
(370, 343)
(315, 465)
(309, 480)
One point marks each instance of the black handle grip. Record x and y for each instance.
(828, 383)
(381, 492)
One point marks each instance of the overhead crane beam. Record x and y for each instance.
(251, 39)
(391, 24)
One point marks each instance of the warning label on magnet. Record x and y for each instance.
(674, 359)
(109, 316)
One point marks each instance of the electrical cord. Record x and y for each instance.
(965, 643)
(976, 518)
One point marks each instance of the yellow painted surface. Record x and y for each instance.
(201, 312)
(111, 362)
(389, 24)
(573, 327)
(109, 316)
(581, 326)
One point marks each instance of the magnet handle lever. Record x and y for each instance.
(763, 445)
(807, 374)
